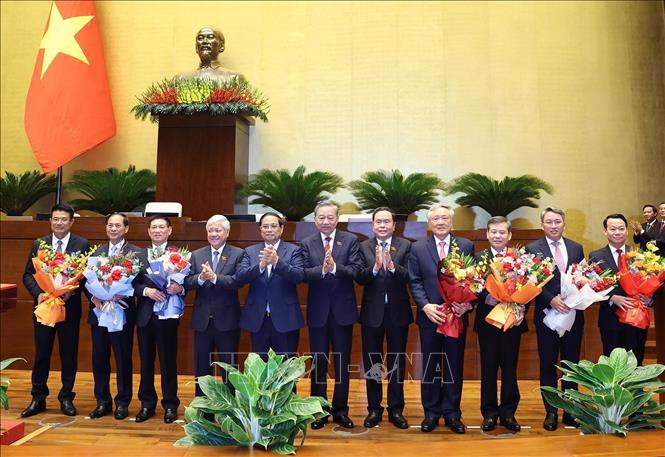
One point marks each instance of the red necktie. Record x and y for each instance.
(326, 247)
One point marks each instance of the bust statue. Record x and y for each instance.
(209, 44)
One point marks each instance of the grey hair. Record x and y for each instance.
(495, 220)
(323, 203)
(435, 207)
(226, 225)
(552, 209)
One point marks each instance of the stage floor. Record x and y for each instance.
(80, 436)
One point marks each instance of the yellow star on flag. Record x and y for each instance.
(60, 38)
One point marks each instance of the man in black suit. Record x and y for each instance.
(443, 356)
(498, 349)
(565, 252)
(385, 312)
(332, 261)
(62, 240)
(273, 269)
(613, 333)
(649, 230)
(156, 334)
(660, 237)
(122, 342)
(216, 307)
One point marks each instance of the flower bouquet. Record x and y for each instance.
(584, 284)
(109, 277)
(515, 279)
(640, 273)
(56, 273)
(460, 278)
(167, 266)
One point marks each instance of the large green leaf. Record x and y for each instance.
(5, 363)
(283, 448)
(215, 390)
(255, 369)
(604, 373)
(645, 373)
(303, 406)
(246, 391)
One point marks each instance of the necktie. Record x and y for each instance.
(384, 245)
(442, 249)
(662, 227)
(58, 247)
(558, 257)
(114, 250)
(619, 257)
(326, 247)
(215, 260)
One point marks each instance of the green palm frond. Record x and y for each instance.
(112, 190)
(498, 198)
(18, 192)
(402, 195)
(294, 195)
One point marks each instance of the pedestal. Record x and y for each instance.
(201, 161)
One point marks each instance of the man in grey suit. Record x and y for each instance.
(385, 314)
(216, 306)
(565, 252)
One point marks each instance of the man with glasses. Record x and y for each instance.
(62, 240)
(551, 347)
(273, 268)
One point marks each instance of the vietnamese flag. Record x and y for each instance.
(68, 109)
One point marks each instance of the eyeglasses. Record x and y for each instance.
(269, 226)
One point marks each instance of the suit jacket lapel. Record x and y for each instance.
(433, 251)
(335, 247)
(222, 258)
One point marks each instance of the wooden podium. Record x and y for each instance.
(201, 161)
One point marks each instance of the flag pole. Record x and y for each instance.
(58, 190)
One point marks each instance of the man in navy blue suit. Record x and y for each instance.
(273, 268)
(332, 262)
(443, 357)
(216, 311)
(62, 240)
(122, 342)
(613, 333)
(385, 314)
(565, 252)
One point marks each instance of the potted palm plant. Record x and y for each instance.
(18, 192)
(293, 195)
(498, 198)
(113, 190)
(404, 195)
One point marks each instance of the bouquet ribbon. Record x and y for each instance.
(634, 285)
(111, 315)
(451, 292)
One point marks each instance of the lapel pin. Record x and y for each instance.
(339, 243)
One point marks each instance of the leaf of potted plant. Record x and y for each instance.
(18, 192)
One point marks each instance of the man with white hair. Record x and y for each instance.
(443, 356)
(216, 306)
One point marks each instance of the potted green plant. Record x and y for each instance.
(620, 398)
(113, 190)
(18, 192)
(4, 382)
(498, 198)
(404, 195)
(293, 195)
(264, 412)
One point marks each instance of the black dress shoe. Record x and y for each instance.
(144, 414)
(428, 424)
(489, 424)
(372, 419)
(550, 423)
(398, 420)
(121, 411)
(170, 415)
(35, 407)
(318, 424)
(67, 408)
(101, 410)
(569, 421)
(511, 424)
(456, 425)
(343, 420)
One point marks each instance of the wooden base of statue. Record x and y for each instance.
(201, 161)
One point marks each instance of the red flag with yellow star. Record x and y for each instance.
(68, 110)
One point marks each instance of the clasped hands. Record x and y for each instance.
(159, 296)
(328, 263)
(381, 259)
(629, 302)
(435, 312)
(100, 303)
(268, 256)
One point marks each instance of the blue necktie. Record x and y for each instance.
(215, 260)
(58, 247)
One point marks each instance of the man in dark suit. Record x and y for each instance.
(62, 240)
(385, 312)
(649, 230)
(498, 349)
(272, 312)
(122, 342)
(613, 333)
(565, 252)
(216, 307)
(157, 334)
(332, 261)
(441, 394)
(660, 238)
